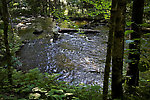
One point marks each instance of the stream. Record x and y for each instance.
(78, 58)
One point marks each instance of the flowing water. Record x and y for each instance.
(77, 57)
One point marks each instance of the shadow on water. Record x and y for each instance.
(78, 58)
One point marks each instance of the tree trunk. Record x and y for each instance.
(49, 5)
(46, 6)
(118, 50)
(134, 54)
(8, 54)
(109, 50)
(43, 8)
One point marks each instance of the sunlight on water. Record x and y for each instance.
(78, 58)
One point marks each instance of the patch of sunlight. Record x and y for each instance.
(38, 89)
(64, 1)
(66, 12)
(34, 96)
(87, 59)
(79, 11)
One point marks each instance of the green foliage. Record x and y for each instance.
(88, 92)
(144, 51)
(141, 91)
(14, 42)
(144, 64)
(16, 4)
(101, 8)
(59, 14)
(145, 25)
(128, 32)
(2, 49)
(37, 85)
(146, 10)
(129, 23)
(14, 45)
(147, 34)
(90, 8)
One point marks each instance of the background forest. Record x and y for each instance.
(74, 49)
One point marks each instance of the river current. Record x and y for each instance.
(78, 58)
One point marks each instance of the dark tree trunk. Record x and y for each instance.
(46, 6)
(8, 54)
(43, 8)
(109, 50)
(118, 50)
(49, 5)
(134, 54)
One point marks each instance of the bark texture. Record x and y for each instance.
(118, 50)
(134, 55)
(109, 49)
(8, 54)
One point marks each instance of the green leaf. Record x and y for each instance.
(128, 31)
(62, 96)
(51, 92)
(137, 39)
(68, 94)
(57, 97)
(59, 91)
(147, 34)
(15, 4)
(145, 25)
(128, 23)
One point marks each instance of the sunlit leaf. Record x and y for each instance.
(68, 94)
(128, 31)
(128, 23)
(147, 34)
(15, 4)
(145, 24)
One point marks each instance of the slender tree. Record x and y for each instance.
(8, 54)
(118, 49)
(109, 49)
(134, 55)
(115, 40)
